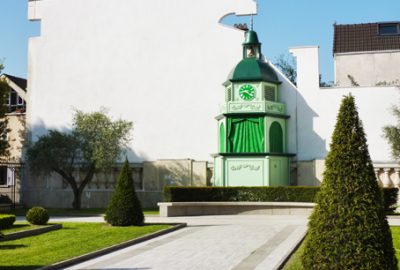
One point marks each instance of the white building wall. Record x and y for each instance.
(288, 96)
(367, 68)
(318, 108)
(157, 63)
(161, 63)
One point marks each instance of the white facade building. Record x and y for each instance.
(367, 54)
(157, 63)
(317, 109)
(161, 64)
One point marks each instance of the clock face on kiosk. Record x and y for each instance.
(247, 92)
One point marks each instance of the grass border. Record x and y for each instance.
(30, 232)
(104, 251)
(289, 256)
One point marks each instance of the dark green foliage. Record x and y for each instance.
(258, 194)
(4, 92)
(37, 216)
(390, 199)
(6, 221)
(392, 134)
(60, 152)
(124, 208)
(255, 194)
(54, 151)
(287, 64)
(5, 199)
(348, 228)
(94, 144)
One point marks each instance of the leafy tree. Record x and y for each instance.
(124, 208)
(323, 83)
(286, 63)
(94, 144)
(392, 134)
(4, 92)
(348, 228)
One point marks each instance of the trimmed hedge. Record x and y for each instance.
(37, 215)
(390, 199)
(124, 208)
(348, 228)
(258, 194)
(251, 194)
(6, 221)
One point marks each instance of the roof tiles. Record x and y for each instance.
(362, 38)
(18, 81)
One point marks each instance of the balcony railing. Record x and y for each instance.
(388, 174)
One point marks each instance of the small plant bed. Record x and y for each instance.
(73, 240)
(294, 262)
(58, 212)
(20, 226)
(22, 230)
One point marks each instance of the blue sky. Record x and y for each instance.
(14, 34)
(290, 23)
(280, 25)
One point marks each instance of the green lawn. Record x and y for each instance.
(294, 262)
(72, 240)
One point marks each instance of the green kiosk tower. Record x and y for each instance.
(252, 125)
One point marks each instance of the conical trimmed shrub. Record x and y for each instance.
(124, 208)
(348, 228)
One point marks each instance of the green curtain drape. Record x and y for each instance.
(246, 135)
(276, 138)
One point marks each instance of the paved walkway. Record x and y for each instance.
(209, 242)
(239, 242)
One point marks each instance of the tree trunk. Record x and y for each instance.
(76, 204)
(86, 180)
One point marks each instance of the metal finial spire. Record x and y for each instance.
(252, 21)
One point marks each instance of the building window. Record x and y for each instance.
(14, 102)
(3, 175)
(137, 175)
(389, 29)
(20, 101)
(269, 93)
(228, 94)
(276, 138)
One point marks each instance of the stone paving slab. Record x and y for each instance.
(211, 242)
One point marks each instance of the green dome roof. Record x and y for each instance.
(251, 38)
(253, 69)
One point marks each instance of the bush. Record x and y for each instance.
(390, 199)
(348, 227)
(124, 208)
(37, 216)
(257, 194)
(251, 194)
(6, 221)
